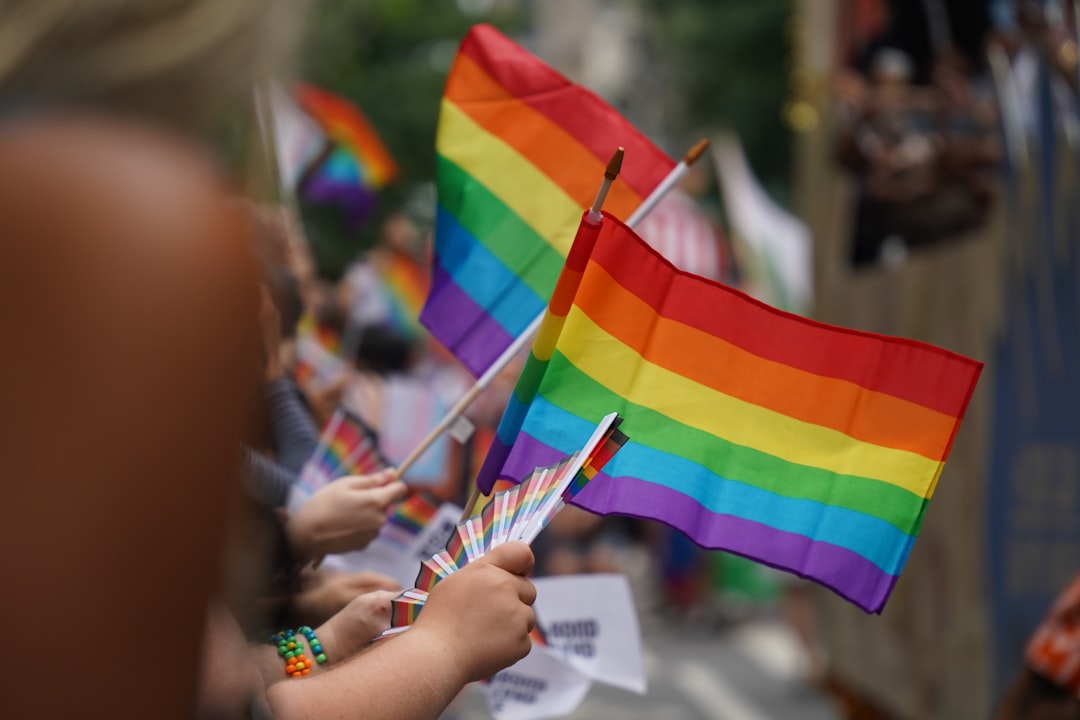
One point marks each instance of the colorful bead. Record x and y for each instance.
(313, 641)
(291, 647)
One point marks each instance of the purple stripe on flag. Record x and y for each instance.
(474, 337)
(846, 572)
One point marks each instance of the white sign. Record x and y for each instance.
(541, 685)
(591, 621)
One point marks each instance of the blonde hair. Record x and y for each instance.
(181, 62)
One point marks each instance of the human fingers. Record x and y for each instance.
(526, 591)
(514, 557)
(374, 480)
(390, 493)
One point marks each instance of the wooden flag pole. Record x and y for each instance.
(610, 173)
(522, 340)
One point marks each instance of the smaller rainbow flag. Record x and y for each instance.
(318, 354)
(358, 165)
(405, 286)
(811, 448)
(406, 520)
(347, 446)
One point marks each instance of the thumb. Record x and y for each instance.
(513, 557)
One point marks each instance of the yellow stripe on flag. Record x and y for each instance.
(519, 184)
(624, 372)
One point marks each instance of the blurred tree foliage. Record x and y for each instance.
(726, 66)
(390, 57)
(720, 64)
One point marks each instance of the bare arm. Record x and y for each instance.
(457, 639)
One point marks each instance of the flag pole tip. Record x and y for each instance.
(693, 154)
(614, 165)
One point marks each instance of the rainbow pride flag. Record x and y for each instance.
(347, 446)
(357, 166)
(811, 448)
(521, 152)
(318, 353)
(404, 286)
(406, 520)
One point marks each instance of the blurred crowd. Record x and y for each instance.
(926, 124)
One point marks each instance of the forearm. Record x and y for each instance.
(271, 665)
(412, 676)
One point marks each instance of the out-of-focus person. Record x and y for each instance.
(129, 335)
(134, 363)
(1048, 686)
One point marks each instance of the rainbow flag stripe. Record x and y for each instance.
(811, 448)
(520, 153)
(346, 125)
(405, 286)
(595, 463)
(412, 514)
(347, 446)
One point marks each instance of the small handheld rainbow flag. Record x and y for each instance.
(519, 513)
(358, 165)
(405, 285)
(407, 519)
(518, 147)
(318, 354)
(808, 447)
(347, 446)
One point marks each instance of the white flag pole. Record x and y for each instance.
(662, 189)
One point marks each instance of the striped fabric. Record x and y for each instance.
(678, 229)
(811, 448)
(520, 153)
(357, 167)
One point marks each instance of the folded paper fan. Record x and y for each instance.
(519, 513)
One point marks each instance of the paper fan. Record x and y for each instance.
(519, 513)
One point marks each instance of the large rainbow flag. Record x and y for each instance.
(521, 152)
(358, 165)
(812, 448)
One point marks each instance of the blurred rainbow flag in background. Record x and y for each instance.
(520, 154)
(405, 285)
(357, 166)
(318, 354)
(347, 446)
(407, 519)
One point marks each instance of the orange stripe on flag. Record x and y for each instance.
(540, 140)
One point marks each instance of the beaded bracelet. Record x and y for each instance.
(316, 646)
(291, 648)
